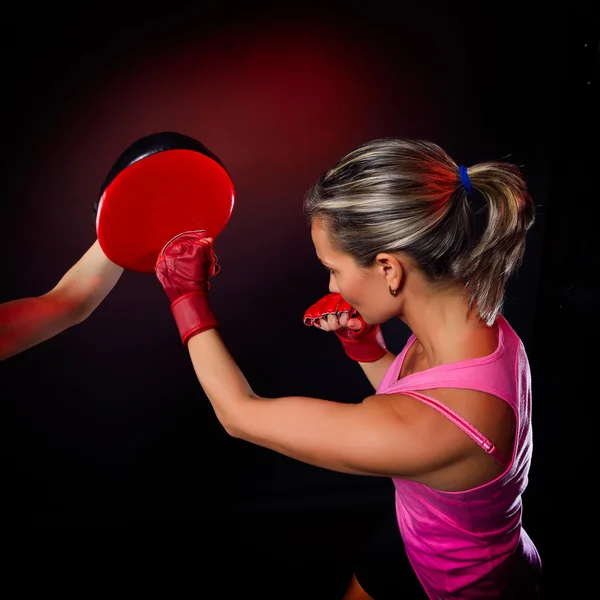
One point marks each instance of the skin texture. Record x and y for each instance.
(26, 322)
(387, 435)
(390, 435)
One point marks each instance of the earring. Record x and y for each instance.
(392, 292)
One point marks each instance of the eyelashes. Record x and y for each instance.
(328, 269)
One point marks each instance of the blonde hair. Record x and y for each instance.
(400, 195)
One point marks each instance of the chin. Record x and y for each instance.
(373, 321)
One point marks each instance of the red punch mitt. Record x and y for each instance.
(365, 345)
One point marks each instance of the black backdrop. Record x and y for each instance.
(114, 463)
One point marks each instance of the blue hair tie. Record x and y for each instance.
(464, 177)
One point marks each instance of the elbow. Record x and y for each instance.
(232, 429)
(80, 308)
(236, 416)
(78, 314)
(231, 432)
(78, 317)
(71, 309)
(231, 425)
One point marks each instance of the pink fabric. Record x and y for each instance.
(471, 544)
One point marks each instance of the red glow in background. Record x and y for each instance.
(278, 102)
(110, 414)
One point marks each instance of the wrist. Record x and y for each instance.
(367, 348)
(193, 314)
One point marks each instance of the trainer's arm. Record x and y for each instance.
(27, 322)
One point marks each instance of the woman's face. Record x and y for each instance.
(361, 288)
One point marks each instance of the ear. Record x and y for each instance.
(391, 268)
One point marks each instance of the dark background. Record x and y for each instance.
(115, 470)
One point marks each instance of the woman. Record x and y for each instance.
(396, 223)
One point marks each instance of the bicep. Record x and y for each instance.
(369, 438)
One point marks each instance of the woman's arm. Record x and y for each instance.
(362, 343)
(375, 371)
(382, 435)
(26, 322)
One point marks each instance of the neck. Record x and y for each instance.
(444, 331)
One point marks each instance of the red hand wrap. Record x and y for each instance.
(365, 345)
(183, 268)
(193, 314)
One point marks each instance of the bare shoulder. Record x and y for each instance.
(472, 465)
(490, 415)
(433, 441)
(444, 456)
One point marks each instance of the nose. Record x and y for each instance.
(333, 287)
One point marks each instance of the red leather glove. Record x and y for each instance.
(365, 345)
(183, 268)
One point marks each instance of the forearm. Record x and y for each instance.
(85, 285)
(223, 383)
(27, 322)
(376, 370)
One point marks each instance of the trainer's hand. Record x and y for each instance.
(361, 342)
(183, 268)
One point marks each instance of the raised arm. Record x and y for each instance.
(26, 322)
(380, 436)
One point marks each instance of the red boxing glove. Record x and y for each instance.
(183, 268)
(365, 345)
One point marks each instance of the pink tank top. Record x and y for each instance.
(471, 544)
